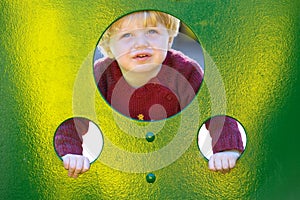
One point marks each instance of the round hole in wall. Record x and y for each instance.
(148, 58)
(78, 136)
(221, 133)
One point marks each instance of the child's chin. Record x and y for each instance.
(145, 68)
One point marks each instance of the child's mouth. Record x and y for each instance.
(142, 56)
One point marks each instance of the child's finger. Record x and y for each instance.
(72, 166)
(66, 162)
(225, 164)
(211, 164)
(86, 165)
(75, 175)
(218, 164)
(232, 162)
(79, 165)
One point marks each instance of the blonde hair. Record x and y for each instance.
(151, 18)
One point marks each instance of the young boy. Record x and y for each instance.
(144, 79)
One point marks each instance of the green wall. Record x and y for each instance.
(251, 54)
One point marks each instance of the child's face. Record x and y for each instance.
(140, 48)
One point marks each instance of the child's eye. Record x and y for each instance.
(152, 31)
(126, 35)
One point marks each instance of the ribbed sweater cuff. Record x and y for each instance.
(225, 134)
(67, 140)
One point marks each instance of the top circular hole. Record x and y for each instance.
(148, 65)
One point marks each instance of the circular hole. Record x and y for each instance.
(78, 136)
(221, 133)
(145, 59)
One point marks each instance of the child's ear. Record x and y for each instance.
(106, 49)
(171, 39)
(109, 53)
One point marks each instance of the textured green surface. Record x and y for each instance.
(252, 50)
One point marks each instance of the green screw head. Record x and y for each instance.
(150, 137)
(150, 178)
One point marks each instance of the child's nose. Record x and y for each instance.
(141, 42)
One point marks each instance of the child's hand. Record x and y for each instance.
(76, 164)
(223, 161)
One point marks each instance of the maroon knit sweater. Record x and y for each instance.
(163, 96)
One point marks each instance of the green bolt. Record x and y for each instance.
(150, 178)
(150, 137)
